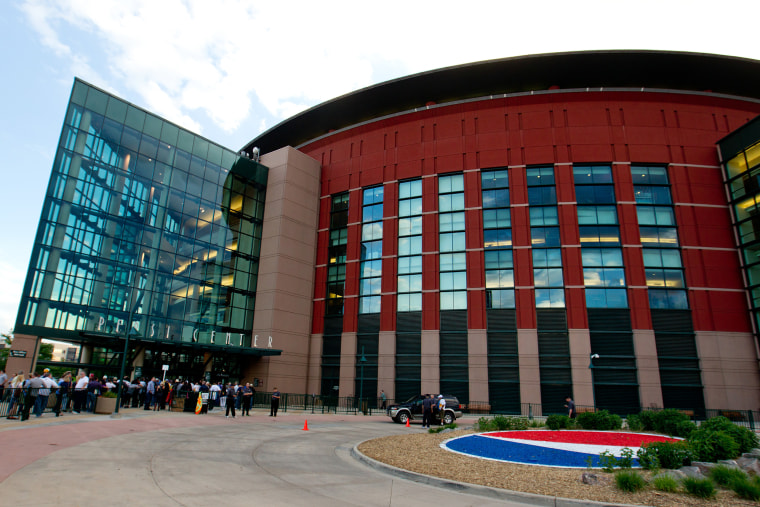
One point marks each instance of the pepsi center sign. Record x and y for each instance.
(565, 448)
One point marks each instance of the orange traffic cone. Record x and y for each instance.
(305, 425)
(407, 422)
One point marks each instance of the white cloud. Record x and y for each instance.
(186, 57)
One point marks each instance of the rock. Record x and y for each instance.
(590, 479)
(675, 474)
(749, 465)
(447, 430)
(728, 463)
(754, 453)
(704, 466)
(692, 472)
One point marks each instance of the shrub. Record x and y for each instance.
(702, 488)
(684, 429)
(667, 421)
(628, 480)
(709, 445)
(439, 429)
(501, 423)
(607, 461)
(485, 424)
(557, 421)
(535, 423)
(725, 476)
(626, 458)
(634, 422)
(666, 483)
(664, 454)
(108, 394)
(601, 420)
(744, 437)
(747, 489)
(647, 420)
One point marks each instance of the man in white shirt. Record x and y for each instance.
(42, 397)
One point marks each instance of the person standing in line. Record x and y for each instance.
(247, 393)
(570, 405)
(230, 403)
(17, 383)
(62, 394)
(383, 400)
(80, 392)
(94, 389)
(3, 381)
(150, 392)
(32, 390)
(427, 410)
(275, 403)
(44, 393)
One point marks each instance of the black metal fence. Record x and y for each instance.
(24, 403)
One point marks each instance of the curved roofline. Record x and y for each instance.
(632, 69)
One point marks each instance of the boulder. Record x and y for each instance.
(590, 479)
(704, 466)
(675, 474)
(749, 465)
(692, 472)
(728, 463)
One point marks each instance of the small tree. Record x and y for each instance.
(7, 338)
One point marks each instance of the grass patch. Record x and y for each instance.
(701, 488)
(665, 483)
(749, 490)
(439, 429)
(630, 481)
(725, 476)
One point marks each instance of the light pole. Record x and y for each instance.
(591, 367)
(127, 332)
(362, 360)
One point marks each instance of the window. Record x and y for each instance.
(497, 239)
(409, 279)
(452, 240)
(545, 238)
(371, 251)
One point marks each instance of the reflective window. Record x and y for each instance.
(409, 279)
(372, 246)
(497, 239)
(452, 245)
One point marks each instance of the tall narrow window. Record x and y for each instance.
(497, 240)
(409, 279)
(453, 265)
(544, 237)
(372, 249)
(601, 255)
(659, 238)
(336, 269)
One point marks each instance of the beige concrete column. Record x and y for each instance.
(86, 356)
(22, 343)
(729, 370)
(430, 347)
(580, 351)
(477, 358)
(645, 349)
(348, 364)
(530, 372)
(285, 285)
(386, 363)
(314, 381)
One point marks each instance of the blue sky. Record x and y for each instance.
(228, 69)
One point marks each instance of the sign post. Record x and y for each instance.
(165, 368)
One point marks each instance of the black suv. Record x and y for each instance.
(411, 409)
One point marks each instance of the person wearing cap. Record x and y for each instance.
(44, 393)
(441, 407)
(62, 395)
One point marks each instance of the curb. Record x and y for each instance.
(475, 489)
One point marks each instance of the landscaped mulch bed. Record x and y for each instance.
(421, 453)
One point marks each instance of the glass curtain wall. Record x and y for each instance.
(143, 219)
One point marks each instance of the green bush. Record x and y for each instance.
(108, 394)
(439, 429)
(601, 420)
(634, 422)
(667, 421)
(607, 461)
(709, 445)
(628, 480)
(747, 489)
(725, 476)
(702, 488)
(535, 423)
(557, 421)
(501, 423)
(647, 420)
(626, 458)
(684, 429)
(665, 483)
(664, 454)
(744, 437)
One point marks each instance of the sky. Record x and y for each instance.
(230, 69)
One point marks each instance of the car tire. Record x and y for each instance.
(448, 418)
(402, 417)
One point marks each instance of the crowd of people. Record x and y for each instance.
(29, 394)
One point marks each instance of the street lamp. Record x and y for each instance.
(127, 332)
(362, 360)
(591, 367)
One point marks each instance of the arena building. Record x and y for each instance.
(511, 232)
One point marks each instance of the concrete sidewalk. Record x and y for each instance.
(171, 458)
